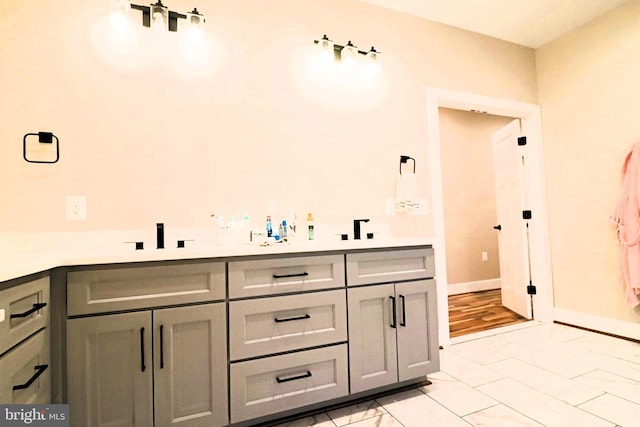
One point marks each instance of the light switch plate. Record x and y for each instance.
(1, 315)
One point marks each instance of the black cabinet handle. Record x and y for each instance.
(497, 227)
(289, 319)
(282, 276)
(393, 311)
(293, 378)
(142, 366)
(403, 322)
(32, 310)
(161, 346)
(39, 370)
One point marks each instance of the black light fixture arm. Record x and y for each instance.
(173, 16)
(146, 13)
(173, 20)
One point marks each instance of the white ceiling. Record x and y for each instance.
(530, 23)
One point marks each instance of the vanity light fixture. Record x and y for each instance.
(156, 15)
(348, 53)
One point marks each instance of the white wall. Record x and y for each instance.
(588, 86)
(148, 138)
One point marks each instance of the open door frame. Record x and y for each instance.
(529, 114)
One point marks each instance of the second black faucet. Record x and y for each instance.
(356, 227)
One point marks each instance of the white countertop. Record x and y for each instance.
(24, 254)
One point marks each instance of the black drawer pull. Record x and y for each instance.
(293, 378)
(161, 346)
(39, 370)
(142, 366)
(282, 276)
(393, 312)
(289, 319)
(32, 310)
(403, 322)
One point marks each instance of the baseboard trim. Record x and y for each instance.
(602, 324)
(477, 286)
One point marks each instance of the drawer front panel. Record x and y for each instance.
(26, 310)
(281, 275)
(264, 326)
(99, 291)
(390, 266)
(274, 384)
(26, 369)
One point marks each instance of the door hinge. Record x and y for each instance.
(526, 214)
(522, 140)
(531, 289)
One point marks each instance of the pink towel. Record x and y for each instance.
(627, 219)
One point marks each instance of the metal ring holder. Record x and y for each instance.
(43, 138)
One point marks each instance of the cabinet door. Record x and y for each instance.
(190, 366)
(372, 337)
(417, 329)
(109, 370)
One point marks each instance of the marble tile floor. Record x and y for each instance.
(540, 375)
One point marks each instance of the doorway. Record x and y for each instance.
(474, 201)
(529, 116)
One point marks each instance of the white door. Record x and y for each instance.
(512, 234)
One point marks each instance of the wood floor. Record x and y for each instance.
(479, 311)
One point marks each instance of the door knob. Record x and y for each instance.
(497, 227)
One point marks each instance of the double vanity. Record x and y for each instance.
(220, 337)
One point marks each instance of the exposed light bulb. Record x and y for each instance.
(195, 22)
(349, 57)
(326, 49)
(119, 13)
(159, 16)
(373, 59)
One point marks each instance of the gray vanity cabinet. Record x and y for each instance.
(133, 367)
(392, 326)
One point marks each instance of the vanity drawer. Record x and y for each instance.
(278, 324)
(274, 384)
(27, 369)
(115, 289)
(24, 309)
(390, 266)
(280, 275)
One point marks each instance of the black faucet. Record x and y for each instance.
(356, 227)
